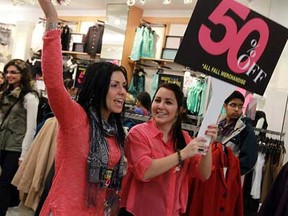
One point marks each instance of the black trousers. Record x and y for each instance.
(9, 195)
(47, 187)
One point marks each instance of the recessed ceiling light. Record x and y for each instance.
(166, 2)
(130, 2)
(188, 1)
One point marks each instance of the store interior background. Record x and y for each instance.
(274, 101)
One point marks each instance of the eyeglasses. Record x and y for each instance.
(234, 105)
(12, 72)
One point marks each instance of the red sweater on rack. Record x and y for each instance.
(219, 195)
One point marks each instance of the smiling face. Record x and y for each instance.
(13, 76)
(164, 108)
(116, 95)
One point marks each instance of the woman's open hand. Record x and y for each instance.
(49, 10)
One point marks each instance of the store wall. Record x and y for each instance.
(25, 21)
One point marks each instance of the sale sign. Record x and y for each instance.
(233, 43)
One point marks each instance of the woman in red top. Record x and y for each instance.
(90, 139)
(161, 158)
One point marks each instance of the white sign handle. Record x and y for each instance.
(220, 91)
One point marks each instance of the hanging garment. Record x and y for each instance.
(257, 176)
(137, 84)
(148, 50)
(5, 36)
(276, 202)
(31, 175)
(154, 85)
(137, 44)
(221, 194)
(271, 169)
(37, 35)
(65, 37)
(196, 96)
(144, 43)
(93, 42)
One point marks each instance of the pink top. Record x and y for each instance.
(67, 195)
(166, 194)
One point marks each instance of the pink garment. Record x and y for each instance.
(67, 195)
(166, 194)
(248, 97)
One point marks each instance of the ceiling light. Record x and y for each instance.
(130, 2)
(188, 1)
(166, 2)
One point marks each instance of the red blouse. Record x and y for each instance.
(165, 194)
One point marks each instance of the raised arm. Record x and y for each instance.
(49, 11)
(52, 67)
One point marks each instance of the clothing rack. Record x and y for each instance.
(281, 134)
(100, 22)
(149, 24)
(142, 118)
(6, 24)
(60, 21)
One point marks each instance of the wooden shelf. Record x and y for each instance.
(74, 53)
(157, 60)
(81, 55)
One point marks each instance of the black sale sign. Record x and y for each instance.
(233, 43)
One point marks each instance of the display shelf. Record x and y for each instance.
(81, 55)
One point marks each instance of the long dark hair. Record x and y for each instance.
(26, 82)
(177, 134)
(145, 100)
(4, 84)
(94, 91)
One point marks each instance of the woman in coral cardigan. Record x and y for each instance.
(89, 155)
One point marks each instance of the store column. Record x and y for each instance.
(22, 40)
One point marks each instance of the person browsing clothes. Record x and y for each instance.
(19, 106)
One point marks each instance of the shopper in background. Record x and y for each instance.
(3, 82)
(3, 85)
(89, 156)
(142, 107)
(19, 105)
(236, 131)
(161, 158)
(143, 104)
